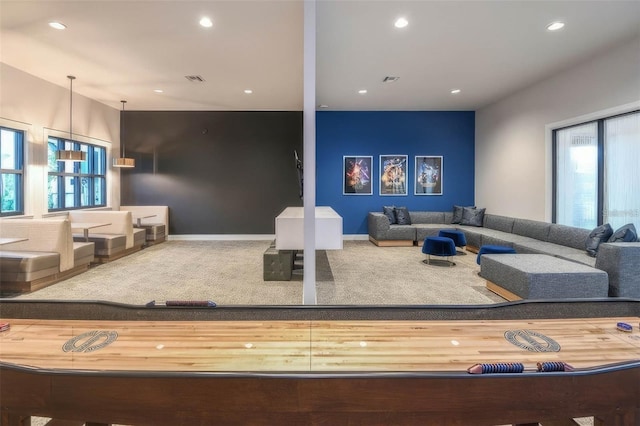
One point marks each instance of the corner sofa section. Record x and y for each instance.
(526, 237)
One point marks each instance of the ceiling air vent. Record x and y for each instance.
(390, 79)
(194, 78)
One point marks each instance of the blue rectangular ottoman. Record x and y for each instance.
(540, 276)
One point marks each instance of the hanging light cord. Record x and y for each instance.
(71, 78)
(122, 128)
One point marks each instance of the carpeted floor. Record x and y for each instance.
(230, 273)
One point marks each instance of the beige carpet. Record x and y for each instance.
(230, 273)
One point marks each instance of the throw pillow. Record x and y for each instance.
(457, 213)
(472, 216)
(389, 212)
(402, 216)
(601, 234)
(624, 234)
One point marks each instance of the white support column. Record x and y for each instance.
(309, 125)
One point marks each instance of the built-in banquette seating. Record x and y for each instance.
(47, 255)
(153, 219)
(618, 259)
(115, 239)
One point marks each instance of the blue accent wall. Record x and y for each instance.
(449, 134)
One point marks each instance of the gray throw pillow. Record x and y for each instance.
(624, 234)
(402, 216)
(457, 213)
(601, 234)
(389, 212)
(472, 216)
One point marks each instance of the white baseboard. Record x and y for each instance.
(246, 237)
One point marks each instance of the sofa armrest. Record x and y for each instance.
(378, 225)
(620, 261)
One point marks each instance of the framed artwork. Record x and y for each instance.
(428, 175)
(356, 175)
(393, 175)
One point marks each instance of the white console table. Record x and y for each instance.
(290, 229)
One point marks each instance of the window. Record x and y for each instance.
(75, 185)
(596, 172)
(11, 171)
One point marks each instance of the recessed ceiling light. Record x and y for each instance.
(455, 91)
(554, 26)
(323, 106)
(401, 23)
(390, 79)
(158, 90)
(248, 91)
(57, 25)
(363, 91)
(206, 22)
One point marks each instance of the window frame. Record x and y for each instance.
(77, 175)
(600, 143)
(20, 172)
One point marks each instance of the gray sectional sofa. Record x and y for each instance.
(526, 236)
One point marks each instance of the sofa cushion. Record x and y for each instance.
(402, 216)
(423, 217)
(569, 236)
(624, 234)
(472, 216)
(532, 228)
(499, 223)
(390, 213)
(601, 234)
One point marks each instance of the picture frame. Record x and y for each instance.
(357, 173)
(428, 175)
(393, 175)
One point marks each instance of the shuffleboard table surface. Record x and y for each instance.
(314, 346)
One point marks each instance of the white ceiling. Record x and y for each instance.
(125, 49)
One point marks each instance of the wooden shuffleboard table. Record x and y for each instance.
(308, 371)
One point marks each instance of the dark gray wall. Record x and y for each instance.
(219, 172)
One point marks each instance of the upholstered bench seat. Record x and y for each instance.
(539, 276)
(105, 244)
(139, 237)
(83, 253)
(155, 232)
(23, 266)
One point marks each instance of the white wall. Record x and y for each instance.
(513, 151)
(42, 109)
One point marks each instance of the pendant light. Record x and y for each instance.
(123, 161)
(65, 154)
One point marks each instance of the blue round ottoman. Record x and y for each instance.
(439, 246)
(489, 249)
(457, 236)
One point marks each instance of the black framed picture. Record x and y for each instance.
(428, 175)
(393, 175)
(356, 175)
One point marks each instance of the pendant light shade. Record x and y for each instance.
(65, 154)
(123, 161)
